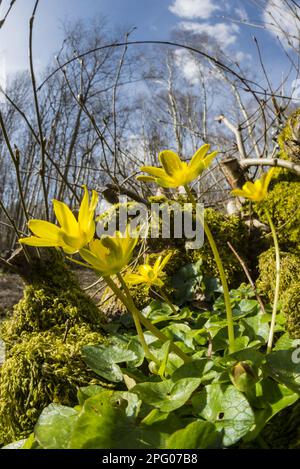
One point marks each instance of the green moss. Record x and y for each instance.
(43, 339)
(283, 203)
(41, 369)
(291, 310)
(289, 273)
(289, 138)
(225, 228)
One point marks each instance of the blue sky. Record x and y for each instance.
(154, 19)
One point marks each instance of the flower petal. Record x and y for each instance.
(165, 261)
(86, 213)
(168, 182)
(145, 178)
(266, 178)
(83, 215)
(208, 159)
(98, 249)
(198, 157)
(170, 161)
(153, 171)
(72, 243)
(238, 193)
(134, 279)
(93, 260)
(65, 218)
(44, 229)
(39, 242)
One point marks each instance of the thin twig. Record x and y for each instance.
(247, 273)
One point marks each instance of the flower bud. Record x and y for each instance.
(243, 376)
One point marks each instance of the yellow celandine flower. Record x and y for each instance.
(175, 172)
(256, 191)
(72, 234)
(108, 255)
(150, 275)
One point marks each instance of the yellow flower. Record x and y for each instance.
(150, 275)
(110, 254)
(175, 172)
(256, 191)
(72, 234)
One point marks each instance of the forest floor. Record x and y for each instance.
(11, 289)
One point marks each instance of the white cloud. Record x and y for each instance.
(187, 65)
(224, 34)
(241, 13)
(191, 68)
(282, 22)
(193, 8)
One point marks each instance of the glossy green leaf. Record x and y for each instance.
(271, 398)
(283, 367)
(227, 408)
(167, 395)
(102, 423)
(197, 435)
(55, 426)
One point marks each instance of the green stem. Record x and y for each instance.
(222, 275)
(167, 300)
(128, 302)
(277, 284)
(137, 323)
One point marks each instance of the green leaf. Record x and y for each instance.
(241, 343)
(54, 426)
(180, 332)
(248, 306)
(167, 395)
(100, 361)
(280, 365)
(88, 391)
(285, 342)
(257, 327)
(158, 426)
(227, 408)
(271, 398)
(197, 435)
(186, 281)
(251, 355)
(193, 369)
(104, 359)
(157, 312)
(102, 423)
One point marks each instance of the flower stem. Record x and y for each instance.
(167, 301)
(222, 275)
(277, 284)
(129, 303)
(136, 320)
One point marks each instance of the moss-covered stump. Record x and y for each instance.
(289, 272)
(289, 285)
(226, 229)
(41, 369)
(43, 338)
(291, 310)
(289, 138)
(283, 203)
